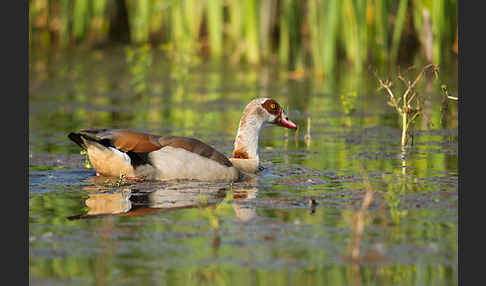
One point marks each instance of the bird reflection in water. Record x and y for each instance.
(141, 199)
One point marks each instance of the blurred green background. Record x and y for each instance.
(310, 35)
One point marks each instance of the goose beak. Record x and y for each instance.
(284, 121)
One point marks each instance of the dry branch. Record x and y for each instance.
(408, 105)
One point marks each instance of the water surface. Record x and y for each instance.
(294, 223)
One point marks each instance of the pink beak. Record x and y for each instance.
(285, 122)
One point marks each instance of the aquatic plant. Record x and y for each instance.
(349, 101)
(312, 34)
(139, 60)
(445, 103)
(87, 164)
(409, 104)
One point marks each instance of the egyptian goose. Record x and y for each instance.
(116, 152)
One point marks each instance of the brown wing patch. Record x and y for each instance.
(126, 140)
(272, 106)
(195, 146)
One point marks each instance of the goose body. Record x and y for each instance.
(118, 152)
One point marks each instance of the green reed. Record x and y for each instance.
(290, 48)
(314, 34)
(323, 21)
(139, 19)
(80, 17)
(250, 31)
(398, 28)
(215, 26)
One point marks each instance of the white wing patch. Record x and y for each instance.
(123, 155)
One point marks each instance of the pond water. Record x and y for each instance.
(295, 223)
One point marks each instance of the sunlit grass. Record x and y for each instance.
(313, 34)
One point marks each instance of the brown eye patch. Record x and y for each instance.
(272, 106)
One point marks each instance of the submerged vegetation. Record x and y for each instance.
(311, 34)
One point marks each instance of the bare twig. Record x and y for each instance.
(409, 104)
(386, 84)
(444, 103)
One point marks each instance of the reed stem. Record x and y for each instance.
(314, 34)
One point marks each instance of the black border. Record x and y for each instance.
(470, 89)
(14, 23)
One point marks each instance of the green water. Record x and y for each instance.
(263, 232)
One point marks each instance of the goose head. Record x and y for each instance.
(262, 111)
(258, 113)
(275, 114)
